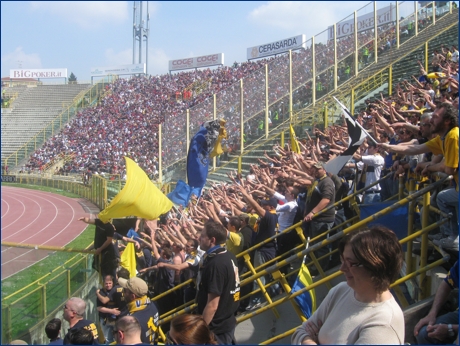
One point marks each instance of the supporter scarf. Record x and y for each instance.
(138, 304)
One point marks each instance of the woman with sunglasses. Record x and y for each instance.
(361, 310)
(190, 330)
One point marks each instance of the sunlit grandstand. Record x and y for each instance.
(75, 137)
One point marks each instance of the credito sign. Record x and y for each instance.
(201, 61)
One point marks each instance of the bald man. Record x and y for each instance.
(127, 331)
(74, 311)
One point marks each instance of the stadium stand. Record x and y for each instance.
(32, 110)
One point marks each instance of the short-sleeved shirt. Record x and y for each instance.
(119, 299)
(375, 165)
(452, 276)
(104, 231)
(85, 324)
(286, 212)
(110, 305)
(234, 242)
(448, 147)
(219, 275)
(146, 313)
(266, 229)
(324, 189)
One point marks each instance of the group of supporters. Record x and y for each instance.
(416, 134)
(125, 121)
(283, 189)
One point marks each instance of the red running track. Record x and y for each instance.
(38, 218)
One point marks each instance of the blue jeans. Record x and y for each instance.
(447, 201)
(314, 229)
(259, 259)
(424, 339)
(107, 329)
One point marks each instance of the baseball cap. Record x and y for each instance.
(135, 285)
(243, 216)
(319, 164)
(271, 201)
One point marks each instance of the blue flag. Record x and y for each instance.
(201, 145)
(181, 194)
(198, 159)
(307, 300)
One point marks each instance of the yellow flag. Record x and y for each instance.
(140, 197)
(434, 75)
(294, 144)
(217, 150)
(128, 259)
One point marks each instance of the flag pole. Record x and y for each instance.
(357, 123)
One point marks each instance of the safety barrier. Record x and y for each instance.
(45, 302)
(296, 254)
(31, 302)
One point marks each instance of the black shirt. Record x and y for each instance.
(324, 189)
(219, 275)
(266, 229)
(86, 325)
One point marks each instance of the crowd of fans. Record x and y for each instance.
(281, 186)
(125, 121)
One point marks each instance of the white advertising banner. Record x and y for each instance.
(385, 15)
(197, 62)
(276, 47)
(38, 73)
(121, 69)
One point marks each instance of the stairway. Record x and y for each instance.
(402, 60)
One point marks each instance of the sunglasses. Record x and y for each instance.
(424, 124)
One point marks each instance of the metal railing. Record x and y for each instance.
(32, 303)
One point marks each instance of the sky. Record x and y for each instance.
(80, 36)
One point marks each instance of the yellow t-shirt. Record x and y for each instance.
(234, 243)
(448, 148)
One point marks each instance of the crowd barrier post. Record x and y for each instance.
(376, 36)
(412, 204)
(266, 100)
(214, 117)
(397, 25)
(160, 156)
(283, 282)
(313, 70)
(424, 246)
(401, 187)
(240, 157)
(290, 89)
(416, 18)
(261, 285)
(336, 63)
(390, 79)
(433, 7)
(356, 63)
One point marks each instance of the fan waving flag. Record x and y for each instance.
(203, 146)
(294, 144)
(140, 197)
(356, 136)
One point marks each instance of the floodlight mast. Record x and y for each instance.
(141, 30)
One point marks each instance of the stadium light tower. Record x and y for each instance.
(141, 30)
